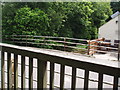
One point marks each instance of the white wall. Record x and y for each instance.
(110, 30)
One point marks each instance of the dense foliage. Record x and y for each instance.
(115, 6)
(79, 20)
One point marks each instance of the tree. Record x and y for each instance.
(8, 13)
(10, 10)
(115, 6)
(58, 14)
(102, 11)
(32, 22)
(79, 20)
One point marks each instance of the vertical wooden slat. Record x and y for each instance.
(62, 73)
(30, 73)
(51, 76)
(2, 71)
(22, 72)
(73, 85)
(41, 74)
(100, 81)
(15, 71)
(86, 80)
(115, 84)
(9, 69)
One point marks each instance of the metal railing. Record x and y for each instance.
(110, 68)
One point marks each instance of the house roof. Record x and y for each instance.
(115, 19)
(115, 14)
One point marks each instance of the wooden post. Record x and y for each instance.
(30, 73)
(44, 41)
(26, 40)
(13, 38)
(64, 43)
(22, 72)
(15, 71)
(62, 72)
(51, 76)
(9, 69)
(73, 83)
(88, 53)
(41, 74)
(115, 84)
(86, 77)
(20, 39)
(2, 70)
(100, 83)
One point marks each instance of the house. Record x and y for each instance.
(110, 30)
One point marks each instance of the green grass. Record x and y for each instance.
(82, 46)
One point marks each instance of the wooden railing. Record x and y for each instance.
(83, 46)
(110, 68)
(63, 43)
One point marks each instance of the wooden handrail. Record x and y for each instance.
(81, 62)
(68, 43)
(13, 48)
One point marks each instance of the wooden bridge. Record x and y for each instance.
(102, 68)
